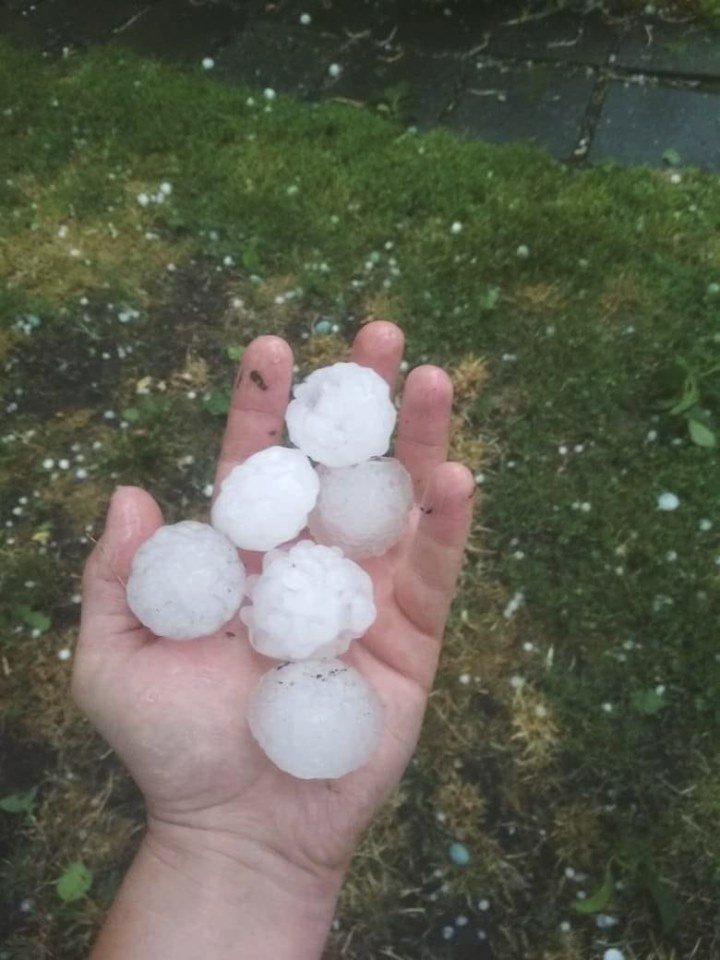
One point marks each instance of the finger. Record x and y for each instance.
(260, 397)
(424, 424)
(425, 580)
(380, 345)
(132, 517)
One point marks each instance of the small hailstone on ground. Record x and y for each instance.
(334, 69)
(456, 227)
(48, 463)
(265, 501)
(668, 501)
(309, 601)
(269, 93)
(64, 654)
(613, 954)
(342, 415)
(316, 719)
(143, 199)
(208, 63)
(522, 252)
(362, 509)
(305, 19)
(186, 581)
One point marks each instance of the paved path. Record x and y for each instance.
(586, 88)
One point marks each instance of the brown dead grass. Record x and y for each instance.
(538, 299)
(620, 297)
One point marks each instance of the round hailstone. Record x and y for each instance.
(342, 415)
(362, 509)
(265, 501)
(316, 719)
(186, 581)
(309, 601)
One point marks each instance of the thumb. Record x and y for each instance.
(133, 516)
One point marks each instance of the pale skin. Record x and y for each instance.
(240, 861)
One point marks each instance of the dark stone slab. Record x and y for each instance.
(343, 18)
(443, 27)
(184, 29)
(545, 104)
(681, 50)
(288, 59)
(70, 22)
(639, 123)
(413, 88)
(566, 36)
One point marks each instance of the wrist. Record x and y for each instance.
(231, 855)
(277, 907)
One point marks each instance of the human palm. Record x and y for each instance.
(175, 712)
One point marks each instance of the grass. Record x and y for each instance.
(571, 742)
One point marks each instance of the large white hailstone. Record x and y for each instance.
(342, 415)
(309, 601)
(362, 509)
(265, 501)
(186, 581)
(316, 719)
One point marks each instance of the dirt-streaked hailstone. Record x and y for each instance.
(265, 501)
(186, 581)
(316, 719)
(309, 602)
(342, 415)
(362, 509)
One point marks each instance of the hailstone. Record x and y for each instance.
(309, 601)
(265, 501)
(186, 581)
(316, 719)
(342, 415)
(362, 509)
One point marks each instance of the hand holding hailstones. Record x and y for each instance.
(314, 716)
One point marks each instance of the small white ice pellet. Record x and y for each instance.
(186, 581)
(342, 415)
(265, 501)
(309, 601)
(316, 719)
(362, 509)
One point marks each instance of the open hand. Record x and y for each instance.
(175, 712)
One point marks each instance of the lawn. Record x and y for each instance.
(151, 223)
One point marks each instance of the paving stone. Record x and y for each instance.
(565, 36)
(67, 22)
(414, 88)
(638, 123)
(443, 27)
(290, 60)
(12, 24)
(655, 47)
(184, 29)
(344, 18)
(545, 104)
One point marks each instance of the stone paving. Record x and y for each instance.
(585, 87)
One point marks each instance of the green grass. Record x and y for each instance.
(562, 753)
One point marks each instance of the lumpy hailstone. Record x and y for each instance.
(316, 719)
(265, 501)
(342, 415)
(186, 581)
(362, 509)
(309, 601)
